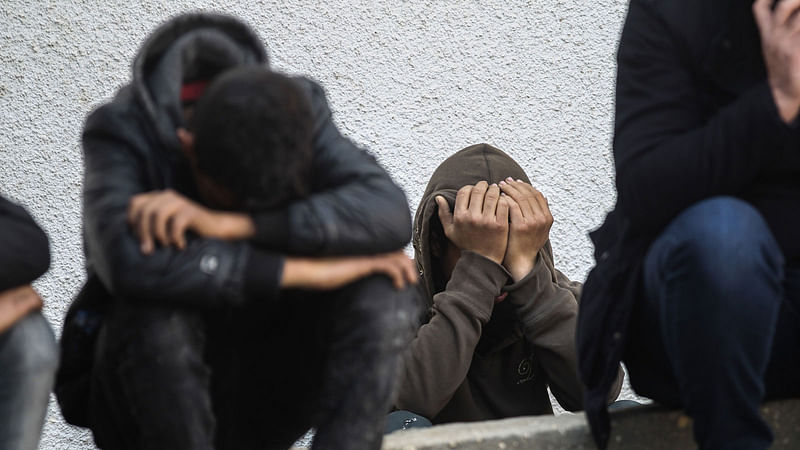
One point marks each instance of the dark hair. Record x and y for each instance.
(253, 135)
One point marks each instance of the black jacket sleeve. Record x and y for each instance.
(669, 152)
(24, 248)
(117, 166)
(355, 207)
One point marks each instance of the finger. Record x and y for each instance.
(445, 216)
(476, 197)
(163, 215)
(406, 266)
(784, 12)
(502, 209)
(509, 188)
(410, 270)
(762, 11)
(135, 207)
(462, 200)
(139, 201)
(392, 270)
(541, 200)
(144, 227)
(525, 200)
(177, 230)
(515, 213)
(490, 200)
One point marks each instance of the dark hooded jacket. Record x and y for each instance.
(24, 247)
(473, 359)
(695, 118)
(130, 146)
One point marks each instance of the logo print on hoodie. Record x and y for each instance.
(525, 370)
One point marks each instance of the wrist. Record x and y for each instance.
(295, 270)
(520, 268)
(497, 259)
(787, 105)
(236, 226)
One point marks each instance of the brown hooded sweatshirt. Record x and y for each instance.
(473, 359)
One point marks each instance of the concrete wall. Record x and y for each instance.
(413, 81)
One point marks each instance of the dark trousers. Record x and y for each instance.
(718, 330)
(252, 377)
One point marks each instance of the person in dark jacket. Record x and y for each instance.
(500, 319)
(28, 352)
(170, 308)
(697, 282)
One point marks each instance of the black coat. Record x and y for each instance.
(694, 119)
(130, 146)
(24, 248)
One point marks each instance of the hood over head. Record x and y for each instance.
(189, 47)
(467, 166)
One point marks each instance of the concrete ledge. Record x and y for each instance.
(650, 427)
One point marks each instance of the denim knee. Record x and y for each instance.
(725, 241)
(29, 347)
(384, 313)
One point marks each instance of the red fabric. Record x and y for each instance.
(192, 91)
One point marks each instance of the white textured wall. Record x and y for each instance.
(413, 81)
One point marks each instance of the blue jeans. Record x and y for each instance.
(28, 360)
(718, 329)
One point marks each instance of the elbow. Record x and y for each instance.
(631, 191)
(397, 219)
(398, 230)
(39, 255)
(34, 260)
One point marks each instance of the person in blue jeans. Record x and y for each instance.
(725, 309)
(697, 283)
(28, 354)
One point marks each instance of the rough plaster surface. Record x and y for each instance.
(413, 81)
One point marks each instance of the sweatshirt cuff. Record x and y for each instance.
(477, 280)
(263, 273)
(525, 289)
(272, 229)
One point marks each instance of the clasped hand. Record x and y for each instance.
(164, 217)
(508, 223)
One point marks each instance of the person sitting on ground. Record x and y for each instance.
(697, 282)
(28, 352)
(214, 338)
(500, 318)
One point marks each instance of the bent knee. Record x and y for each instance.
(726, 233)
(166, 336)
(384, 313)
(30, 347)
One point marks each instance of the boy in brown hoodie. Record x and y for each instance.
(500, 320)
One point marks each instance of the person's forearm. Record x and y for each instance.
(16, 303)
(437, 361)
(548, 312)
(236, 226)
